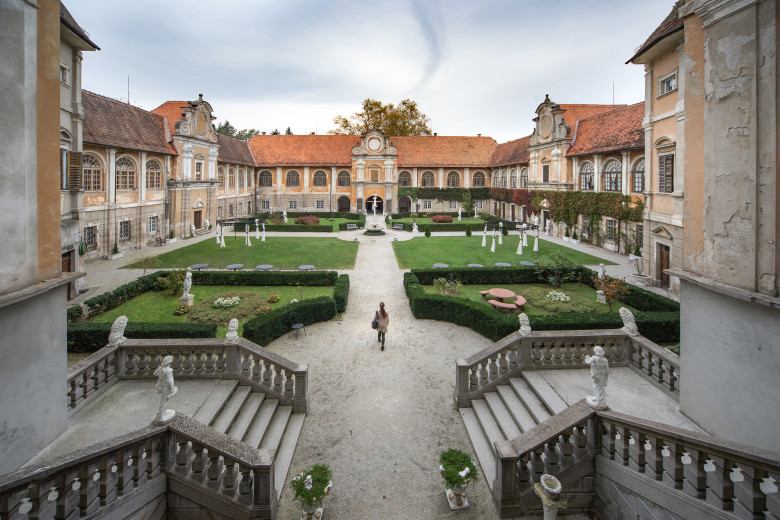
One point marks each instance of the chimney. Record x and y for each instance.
(479, 135)
(263, 133)
(435, 134)
(311, 133)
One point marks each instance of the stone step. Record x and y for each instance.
(516, 407)
(231, 409)
(481, 445)
(246, 415)
(488, 422)
(526, 394)
(502, 415)
(284, 453)
(275, 431)
(260, 423)
(214, 403)
(545, 392)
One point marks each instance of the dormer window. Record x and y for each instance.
(667, 84)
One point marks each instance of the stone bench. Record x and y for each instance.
(519, 302)
(502, 306)
(351, 227)
(399, 227)
(484, 294)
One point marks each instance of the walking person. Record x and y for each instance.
(383, 318)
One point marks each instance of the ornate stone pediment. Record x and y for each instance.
(662, 232)
(197, 121)
(374, 142)
(550, 125)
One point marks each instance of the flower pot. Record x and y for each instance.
(312, 512)
(641, 280)
(550, 485)
(565, 239)
(457, 496)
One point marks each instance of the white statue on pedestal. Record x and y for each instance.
(117, 337)
(415, 230)
(192, 229)
(232, 333)
(263, 237)
(257, 229)
(536, 220)
(547, 227)
(602, 271)
(207, 223)
(525, 324)
(165, 387)
(629, 322)
(219, 232)
(187, 285)
(284, 216)
(246, 234)
(599, 373)
(459, 210)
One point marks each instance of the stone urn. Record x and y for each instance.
(642, 280)
(550, 485)
(457, 496)
(312, 512)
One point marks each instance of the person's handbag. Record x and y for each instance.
(375, 321)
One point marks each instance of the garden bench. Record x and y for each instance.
(484, 294)
(351, 227)
(502, 306)
(160, 241)
(399, 227)
(520, 301)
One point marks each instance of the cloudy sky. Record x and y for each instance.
(474, 66)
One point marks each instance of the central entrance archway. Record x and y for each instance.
(370, 204)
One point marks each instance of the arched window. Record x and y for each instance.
(479, 179)
(586, 176)
(524, 178)
(503, 179)
(638, 176)
(266, 179)
(153, 174)
(513, 178)
(343, 178)
(612, 175)
(241, 178)
(453, 180)
(320, 178)
(221, 176)
(404, 179)
(231, 178)
(92, 172)
(293, 179)
(427, 179)
(125, 174)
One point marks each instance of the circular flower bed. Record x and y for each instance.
(226, 302)
(558, 296)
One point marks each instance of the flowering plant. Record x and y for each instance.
(558, 296)
(312, 485)
(226, 303)
(614, 288)
(457, 468)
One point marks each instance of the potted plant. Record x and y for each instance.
(574, 237)
(310, 487)
(566, 236)
(457, 469)
(115, 254)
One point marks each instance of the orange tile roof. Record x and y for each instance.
(109, 122)
(233, 150)
(432, 151)
(619, 129)
(576, 112)
(303, 150)
(671, 23)
(173, 111)
(511, 152)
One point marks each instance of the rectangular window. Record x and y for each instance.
(320, 204)
(478, 204)
(546, 173)
(240, 208)
(230, 210)
(612, 181)
(611, 229)
(248, 208)
(63, 169)
(426, 204)
(638, 182)
(667, 83)
(240, 179)
(293, 204)
(64, 75)
(219, 212)
(666, 173)
(453, 204)
(640, 236)
(374, 174)
(90, 237)
(265, 204)
(125, 231)
(153, 225)
(198, 171)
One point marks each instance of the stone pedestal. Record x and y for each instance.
(188, 300)
(315, 514)
(600, 297)
(455, 495)
(549, 505)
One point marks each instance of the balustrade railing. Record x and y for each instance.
(90, 376)
(656, 364)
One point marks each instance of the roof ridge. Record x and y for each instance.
(591, 104)
(618, 109)
(85, 91)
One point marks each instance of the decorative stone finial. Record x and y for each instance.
(599, 374)
(232, 333)
(116, 337)
(525, 324)
(629, 322)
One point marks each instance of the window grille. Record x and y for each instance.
(125, 231)
(125, 174)
(90, 237)
(293, 179)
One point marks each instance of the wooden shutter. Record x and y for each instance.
(666, 173)
(74, 171)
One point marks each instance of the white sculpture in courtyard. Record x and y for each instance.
(187, 283)
(219, 232)
(547, 226)
(192, 229)
(165, 387)
(208, 225)
(415, 230)
(117, 335)
(247, 243)
(599, 373)
(459, 210)
(284, 216)
(257, 229)
(232, 333)
(525, 324)
(629, 322)
(602, 271)
(262, 239)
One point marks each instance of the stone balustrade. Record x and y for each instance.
(692, 475)
(90, 377)
(541, 350)
(143, 464)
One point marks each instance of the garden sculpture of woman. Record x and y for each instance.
(165, 387)
(187, 283)
(599, 373)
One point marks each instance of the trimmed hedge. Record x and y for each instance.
(74, 313)
(304, 278)
(267, 327)
(341, 292)
(91, 337)
(290, 228)
(110, 300)
(490, 275)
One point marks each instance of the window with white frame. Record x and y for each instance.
(265, 204)
(613, 173)
(293, 204)
(611, 229)
(230, 210)
(320, 204)
(427, 180)
(503, 179)
(240, 208)
(453, 180)
(479, 179)
(320, 179)
(125, 174)
(404, 179)
(90, 237)
(293, 179)
(64, 168)
(524, 178)
(198, 170)
(231, 178)
(64, 74)
(545, 173)
(513, 178)
(125, 231)
(666, 173)
(266, 179)
(453, 204)
(248, 208)
(478, 204)
(638, 176)
(153, 222)
(586, 176)
(221, 176)
(640, 236)
(343, 179)
(241, 178)
(219, 212)
(426, 204)
(153, 174)
(667, 83)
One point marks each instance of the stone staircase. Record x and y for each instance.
(510, 411)
(256, 420)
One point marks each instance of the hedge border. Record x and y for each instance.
(267, 327)
(92, 336)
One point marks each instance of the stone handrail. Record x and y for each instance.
(539, 350)
(89, 481)
(90, 376)
(723, 478)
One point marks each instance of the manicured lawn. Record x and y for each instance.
(158, 306)
(476, 223)
(583, 298)
(281, 252)
(422, 252)
(323, 221)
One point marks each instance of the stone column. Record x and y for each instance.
(626, 159)
(305, 182)
(212, 171)
(279, 176)
(466, 177)
(142, 179)
(575, 174)
(597, 172)
(361, 168)
(556, 165)
(186, 162)
(441, 177)
(415, 181)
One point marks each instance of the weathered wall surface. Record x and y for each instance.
(730, 358)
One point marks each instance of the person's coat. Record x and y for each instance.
(383, 321)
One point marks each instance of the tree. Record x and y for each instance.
(403, 119)
(276, 132)
(229, 130)
(288, 131)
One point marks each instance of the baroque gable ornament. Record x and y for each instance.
(374, 142)
(550, 125)
(197, 120)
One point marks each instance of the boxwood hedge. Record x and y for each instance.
(341, 292)
(91, 336)
(267, 327)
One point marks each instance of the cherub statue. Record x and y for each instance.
(599, 373)
(629, 322)
(232, 333)
(165, 386)
(117, 335)
(525, 324)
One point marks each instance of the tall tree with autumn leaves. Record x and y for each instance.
(405, 118)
